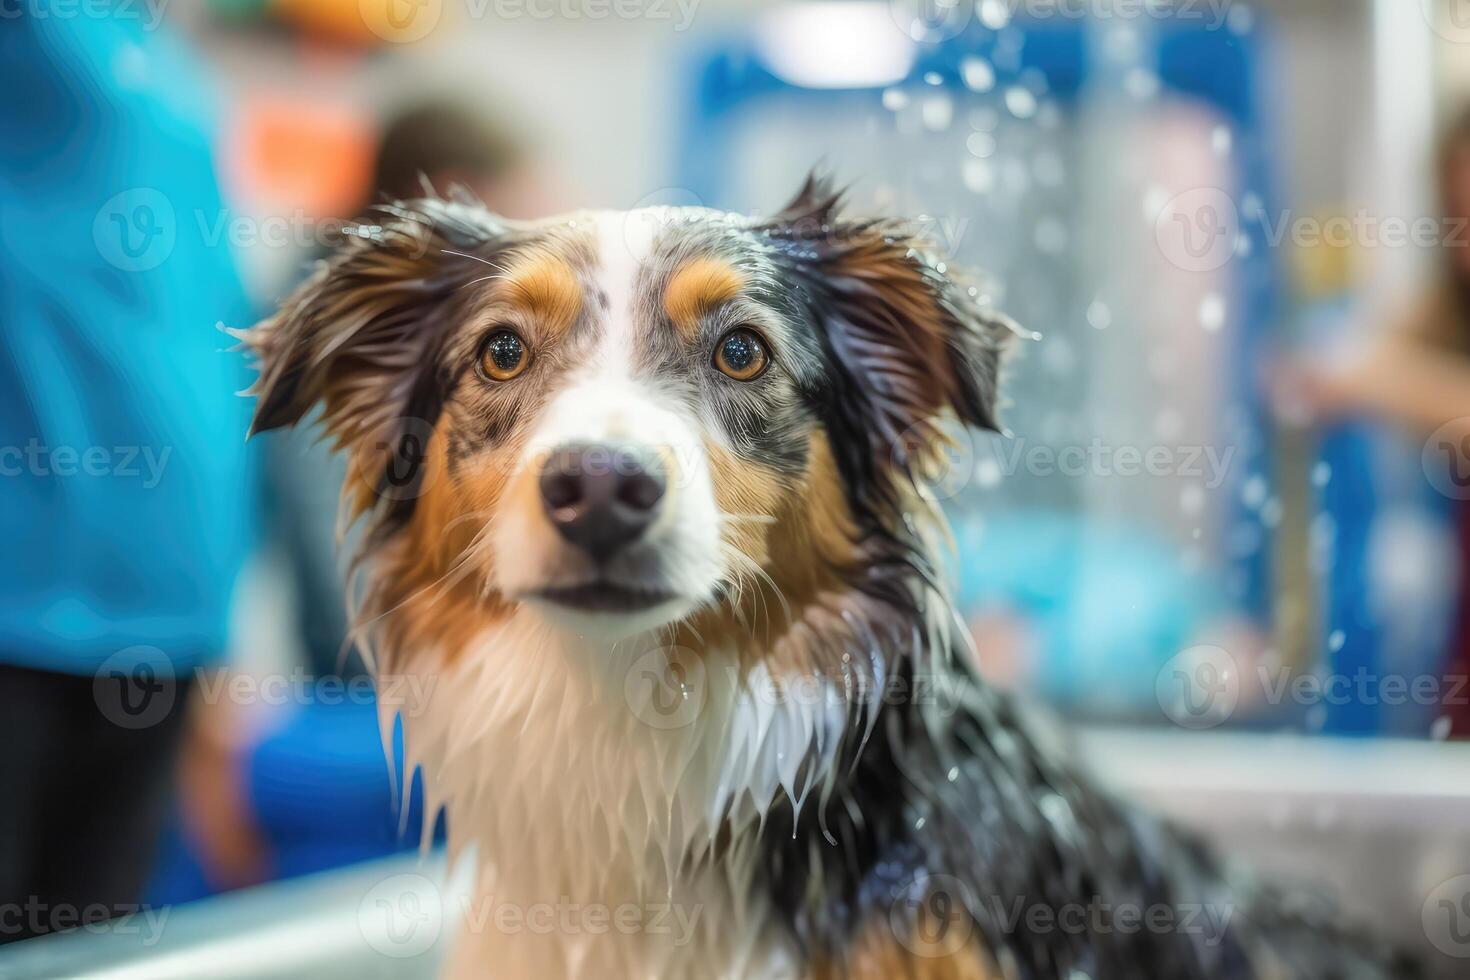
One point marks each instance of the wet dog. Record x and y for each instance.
(646, 494)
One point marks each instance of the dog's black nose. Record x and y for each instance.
(602, 498)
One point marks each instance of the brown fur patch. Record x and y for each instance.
(435, 570)
(544, 284)
(877, 954)
(800, 536)
(697, 287)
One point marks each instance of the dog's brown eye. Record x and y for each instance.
(742, 354)
(503, 356)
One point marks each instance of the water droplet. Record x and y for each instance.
(1020, 102)
(984, 119)
(1221, 140)
(933, 78)
(1253, 494)
(1099, 315)
(980, 144)
(1212, 312)
(937, 112)
(1440, 730)
(977, 74)
(995, 14)
(895, 99)
(979, 176)
(1155, 199)
(1141, 84)
(1241, 19)
(1192, 499)
(1335, 640)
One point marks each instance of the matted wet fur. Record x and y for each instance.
(763, 735)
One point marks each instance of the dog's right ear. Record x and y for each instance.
(361, 335)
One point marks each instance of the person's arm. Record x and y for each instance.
(1403, 379)
(1409, 375)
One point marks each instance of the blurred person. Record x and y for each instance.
(1416, 374)
(447, 142)
(233, 835)
(121, 452)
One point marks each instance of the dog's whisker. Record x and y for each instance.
(473, 258)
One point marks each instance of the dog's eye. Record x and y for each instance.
(742, 354)
(504, 356)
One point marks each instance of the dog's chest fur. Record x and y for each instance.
(613, 804)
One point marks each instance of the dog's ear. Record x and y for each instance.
(908, 338)
(362, 336)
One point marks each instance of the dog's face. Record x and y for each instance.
(625, 420)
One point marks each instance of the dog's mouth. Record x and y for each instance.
(605, 597)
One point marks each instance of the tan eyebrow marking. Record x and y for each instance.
(695, 288)
(545, 284)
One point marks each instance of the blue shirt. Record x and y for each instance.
(124, 484)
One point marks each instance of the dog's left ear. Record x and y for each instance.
(906, 333)
(363, 338)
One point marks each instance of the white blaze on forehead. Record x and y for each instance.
(602, 400)
(624, 242)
